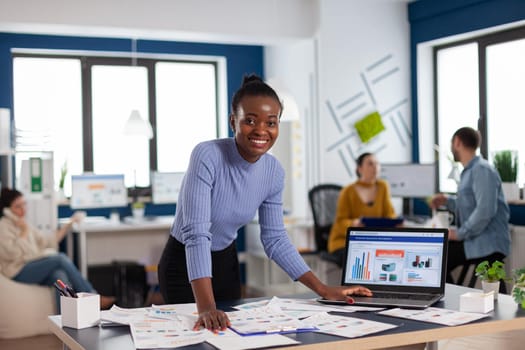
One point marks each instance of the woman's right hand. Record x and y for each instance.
(21, 223)
(213, 320)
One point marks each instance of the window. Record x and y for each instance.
(116, 91)
(91, 98)
(186, 111)
(457, 105)
(478, 84)
(48, 110)
(505, 103)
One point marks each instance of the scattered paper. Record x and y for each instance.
(165, 334)
(301, 308)
(265, 320)
(250, 342)
(435, 315)
(124, 316)
(345, 326)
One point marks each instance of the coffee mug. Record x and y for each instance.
(443, 219)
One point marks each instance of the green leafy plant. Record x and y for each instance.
(491, 273)
(63, 173)
(518, 292)
(506, 163)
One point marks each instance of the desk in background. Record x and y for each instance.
(100, 241)
(263, 276)
(505, 317)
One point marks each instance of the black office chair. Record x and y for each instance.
(323, 202)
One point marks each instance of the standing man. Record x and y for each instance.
(482, 213)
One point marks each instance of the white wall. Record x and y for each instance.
(331, 68)
(359, 42)
(233, 21)
(293, 67)
(324, 52)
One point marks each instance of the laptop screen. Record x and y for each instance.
(406, 257)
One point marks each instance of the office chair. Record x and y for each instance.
(323, 202)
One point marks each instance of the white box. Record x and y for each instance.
(476, 302)
(81, 312)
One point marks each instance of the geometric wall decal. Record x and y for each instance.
(369, 126)
(377, 131)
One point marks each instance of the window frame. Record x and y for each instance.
(90, 59)
(483, 41)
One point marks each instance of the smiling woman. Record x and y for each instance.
(227, 182)
(256, 126)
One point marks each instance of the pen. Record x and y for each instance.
(67, 290)
(60, 290)
(71, 291)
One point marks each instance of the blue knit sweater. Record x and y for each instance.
(220, 193)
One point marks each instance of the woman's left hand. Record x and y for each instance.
(345, 292)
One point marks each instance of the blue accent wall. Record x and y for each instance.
(241, 59)
(433, 19)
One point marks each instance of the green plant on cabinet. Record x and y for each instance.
(506, 163)
(491, 273)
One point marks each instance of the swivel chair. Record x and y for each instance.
(323, 202)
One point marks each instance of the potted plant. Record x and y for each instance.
(63, 173)
(518, 291)
(491, 275)
(137, 209)
(506, 163)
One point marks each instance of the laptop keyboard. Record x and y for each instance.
(386, 295)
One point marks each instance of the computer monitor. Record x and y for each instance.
(165, 187)
(410, 180)
(98, 191)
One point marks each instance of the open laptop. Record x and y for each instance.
(403, 267)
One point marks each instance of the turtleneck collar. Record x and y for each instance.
(237, 159)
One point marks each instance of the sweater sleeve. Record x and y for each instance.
(14, 250)
(273, 234)
(196, 235)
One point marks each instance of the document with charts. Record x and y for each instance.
(266, 320)
(435, 315)
(348, 327)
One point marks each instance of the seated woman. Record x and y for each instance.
(367, 197)
(24, 251)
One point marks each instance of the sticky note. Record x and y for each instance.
(369, 126)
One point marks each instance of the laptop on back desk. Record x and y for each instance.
(403, 267)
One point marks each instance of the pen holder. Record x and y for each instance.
(81, 312)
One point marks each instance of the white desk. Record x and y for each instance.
(505, 317)
(102, 241)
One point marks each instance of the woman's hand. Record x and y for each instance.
(345, 292)
(77, 217)
(213, 320)
(357, 223)
(21, 223)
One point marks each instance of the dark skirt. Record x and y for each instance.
(173, 274)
